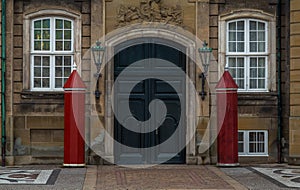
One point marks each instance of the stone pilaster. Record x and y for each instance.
(294, 126)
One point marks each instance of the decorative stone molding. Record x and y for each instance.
(149, 11)
(176, 37)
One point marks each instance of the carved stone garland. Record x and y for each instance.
(149, 11)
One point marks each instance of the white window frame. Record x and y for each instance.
(247, 73)
(256, 15)
(247, 54)
(246, 143)
(30, 15)
(247, 38)
(51, 53)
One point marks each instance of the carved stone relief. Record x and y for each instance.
(149, 11)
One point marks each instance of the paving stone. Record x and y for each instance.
(160, 177)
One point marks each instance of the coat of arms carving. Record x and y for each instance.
(149, 11)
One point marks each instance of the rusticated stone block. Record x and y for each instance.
(45, 122)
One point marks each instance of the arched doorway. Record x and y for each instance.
(176, 38)
(141, 96)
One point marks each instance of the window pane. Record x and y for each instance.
(261, 72)
(240, 47)
(260, 147)
(261, 36)
(253, 25)
(253, 62)
(240, 36)
(58, 60)
(46, 61)
(232, 26)
(46, 45)
(46, 72)
(67, 24)
(59, 46)
(58, 72)
(232, 46)
(59, 24)
(232, 62)
(252, 136)
(46, 83)
(261, 26)
(37, 24)
(253, 83)
(240, 73)
(253, 36)
(261, 47)
(240, 62)
(240, 25)
(46, 23)
(252, 147)
(37, 72)
(232, 72)
(37, 45)
(240, 147)
(232, 36)
(253, 73)
(37, 60)
(67, 34)
(59, 34)
(58, 83)
(37, 34)
(67, 46)
(241, 83)
(261, 136)
(253, 47)
(67, 60)
(240, 136)
(261, 61)
(46, 34)
(67, 72)
(37, 83)
(261, 83)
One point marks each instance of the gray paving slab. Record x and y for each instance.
(68, 178)
(254, 180)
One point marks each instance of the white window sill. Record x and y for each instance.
(253, 155)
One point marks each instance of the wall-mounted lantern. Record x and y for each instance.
(98, 56)
(205, 56)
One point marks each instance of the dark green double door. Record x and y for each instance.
(140, 147)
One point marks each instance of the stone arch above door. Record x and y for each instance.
(172, 36)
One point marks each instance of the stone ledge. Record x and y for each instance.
(267, 98)
(41, 95)
(294, 160)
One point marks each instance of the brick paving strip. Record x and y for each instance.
(158, 177)
(90, 178)
(228, 179)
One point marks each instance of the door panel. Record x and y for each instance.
(140, 98)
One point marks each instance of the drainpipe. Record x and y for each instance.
(3, 53)
(279, 98)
